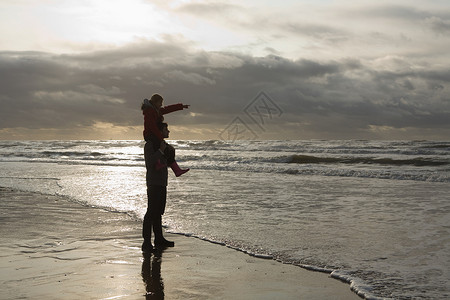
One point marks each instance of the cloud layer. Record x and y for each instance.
(366, 82)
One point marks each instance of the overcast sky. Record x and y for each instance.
(79, 69)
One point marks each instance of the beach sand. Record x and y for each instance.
(55, 249)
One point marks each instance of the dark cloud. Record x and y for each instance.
(438, 25)
(344, 97)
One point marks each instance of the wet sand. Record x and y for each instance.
(55, 249)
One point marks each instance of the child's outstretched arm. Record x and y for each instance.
(173, 107)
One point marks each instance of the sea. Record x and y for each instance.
(374, 214)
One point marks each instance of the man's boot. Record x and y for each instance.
(147, 234)
(160, 241)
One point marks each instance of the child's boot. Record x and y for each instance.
(177, 170)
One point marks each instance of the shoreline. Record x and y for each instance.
(56, 249)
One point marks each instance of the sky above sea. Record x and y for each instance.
(249, 69)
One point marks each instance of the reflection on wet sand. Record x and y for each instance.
(151, 274)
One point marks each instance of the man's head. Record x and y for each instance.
(164, 128)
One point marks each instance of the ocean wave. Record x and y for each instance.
(397, 160)
(437, 146)
(73, 153)
(418, 161)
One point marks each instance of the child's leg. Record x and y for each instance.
(156, 143)
(170, 154)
